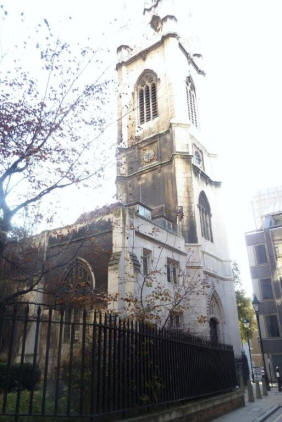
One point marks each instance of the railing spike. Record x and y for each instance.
(95, 316)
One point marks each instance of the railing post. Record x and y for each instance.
(93, 360)
(58, 368)
(104, 364)
(35, 349)
(98, 395)
(115, 366)
(110, 365)
(124, 367)
(72, 334)
(26, 312)
(10, 352)
(119, 367)
(46, 361)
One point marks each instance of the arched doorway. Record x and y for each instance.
(214, 330)
(216, 319)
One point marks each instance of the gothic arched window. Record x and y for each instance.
(191, 102)
(147, 97)
(78, 282)
(79, 276)
(205, 217)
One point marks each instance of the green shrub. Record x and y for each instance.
(18, 376)
(36, 408)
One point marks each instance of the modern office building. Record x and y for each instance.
(264, 247)
(266, 201)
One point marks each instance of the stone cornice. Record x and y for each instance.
(197, 170)
(77, 239)
(216, 257)
(143, 53)
(216, 275)
(144, 141)
(190, 60)
(155, 165)
(159, 242)
(164, 163)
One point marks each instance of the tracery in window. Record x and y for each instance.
(79, 276)
(147, 97)
(191, 102)
(205, 217)
(78, 281)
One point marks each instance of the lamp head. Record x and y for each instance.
(256, 303)
(246, 323)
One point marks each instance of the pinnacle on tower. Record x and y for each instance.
(161, 8)
(161, 15)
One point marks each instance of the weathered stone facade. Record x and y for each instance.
(164, 165)
(167, 232)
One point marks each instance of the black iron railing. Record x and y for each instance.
(77, 363)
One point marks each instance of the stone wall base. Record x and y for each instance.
(202, 410)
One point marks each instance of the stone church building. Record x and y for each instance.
(163, 243)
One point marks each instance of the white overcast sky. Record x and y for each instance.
(240, 107)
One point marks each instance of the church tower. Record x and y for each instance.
(160, 156)
(163, 163)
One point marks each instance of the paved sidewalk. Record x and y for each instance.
(254, 412)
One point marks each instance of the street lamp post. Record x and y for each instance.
(246, 324)
(256, 304)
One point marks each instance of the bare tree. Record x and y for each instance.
(158, 301)
(50, 126)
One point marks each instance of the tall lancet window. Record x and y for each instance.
(191, 102)
(147, 97)
(205, 217)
